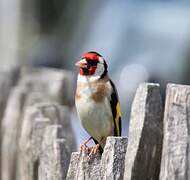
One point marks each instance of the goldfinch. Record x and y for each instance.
(97, 101)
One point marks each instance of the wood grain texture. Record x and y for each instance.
(143, 156)
(108, 167)
(176, 146)
(34, 86)
(34, 141)
(55, 154)
(113, 158)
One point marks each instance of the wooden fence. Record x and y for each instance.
(37, 139)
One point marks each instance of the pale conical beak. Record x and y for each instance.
(82, 63)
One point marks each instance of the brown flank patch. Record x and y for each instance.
(100, 94)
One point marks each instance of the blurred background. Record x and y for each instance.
(141, 40)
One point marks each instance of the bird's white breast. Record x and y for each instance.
(96, 117)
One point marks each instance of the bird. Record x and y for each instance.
(96, 101)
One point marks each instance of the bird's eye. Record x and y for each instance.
(92, 63)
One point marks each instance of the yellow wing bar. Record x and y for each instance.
(118, 118)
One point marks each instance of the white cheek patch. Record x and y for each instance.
(99, 70)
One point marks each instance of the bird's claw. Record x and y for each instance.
(90, 150)
(84, 147)
(94, 149)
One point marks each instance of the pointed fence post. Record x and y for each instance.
(55, 155)
(142, 161)
(176, 145)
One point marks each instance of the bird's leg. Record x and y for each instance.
(83, 146)
(94, 149)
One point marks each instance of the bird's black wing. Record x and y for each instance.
(116, 111)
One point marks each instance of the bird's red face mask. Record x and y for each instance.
(88, 64)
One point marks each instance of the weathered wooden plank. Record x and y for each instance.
(73, 166)
(109, 166)
(34, 86)
(8, 79)
(55, 155)
(35, 121)
(142, 161)
(84, 167)
(175, 156)
(11, 127)
(113, 158)
(55, 84)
